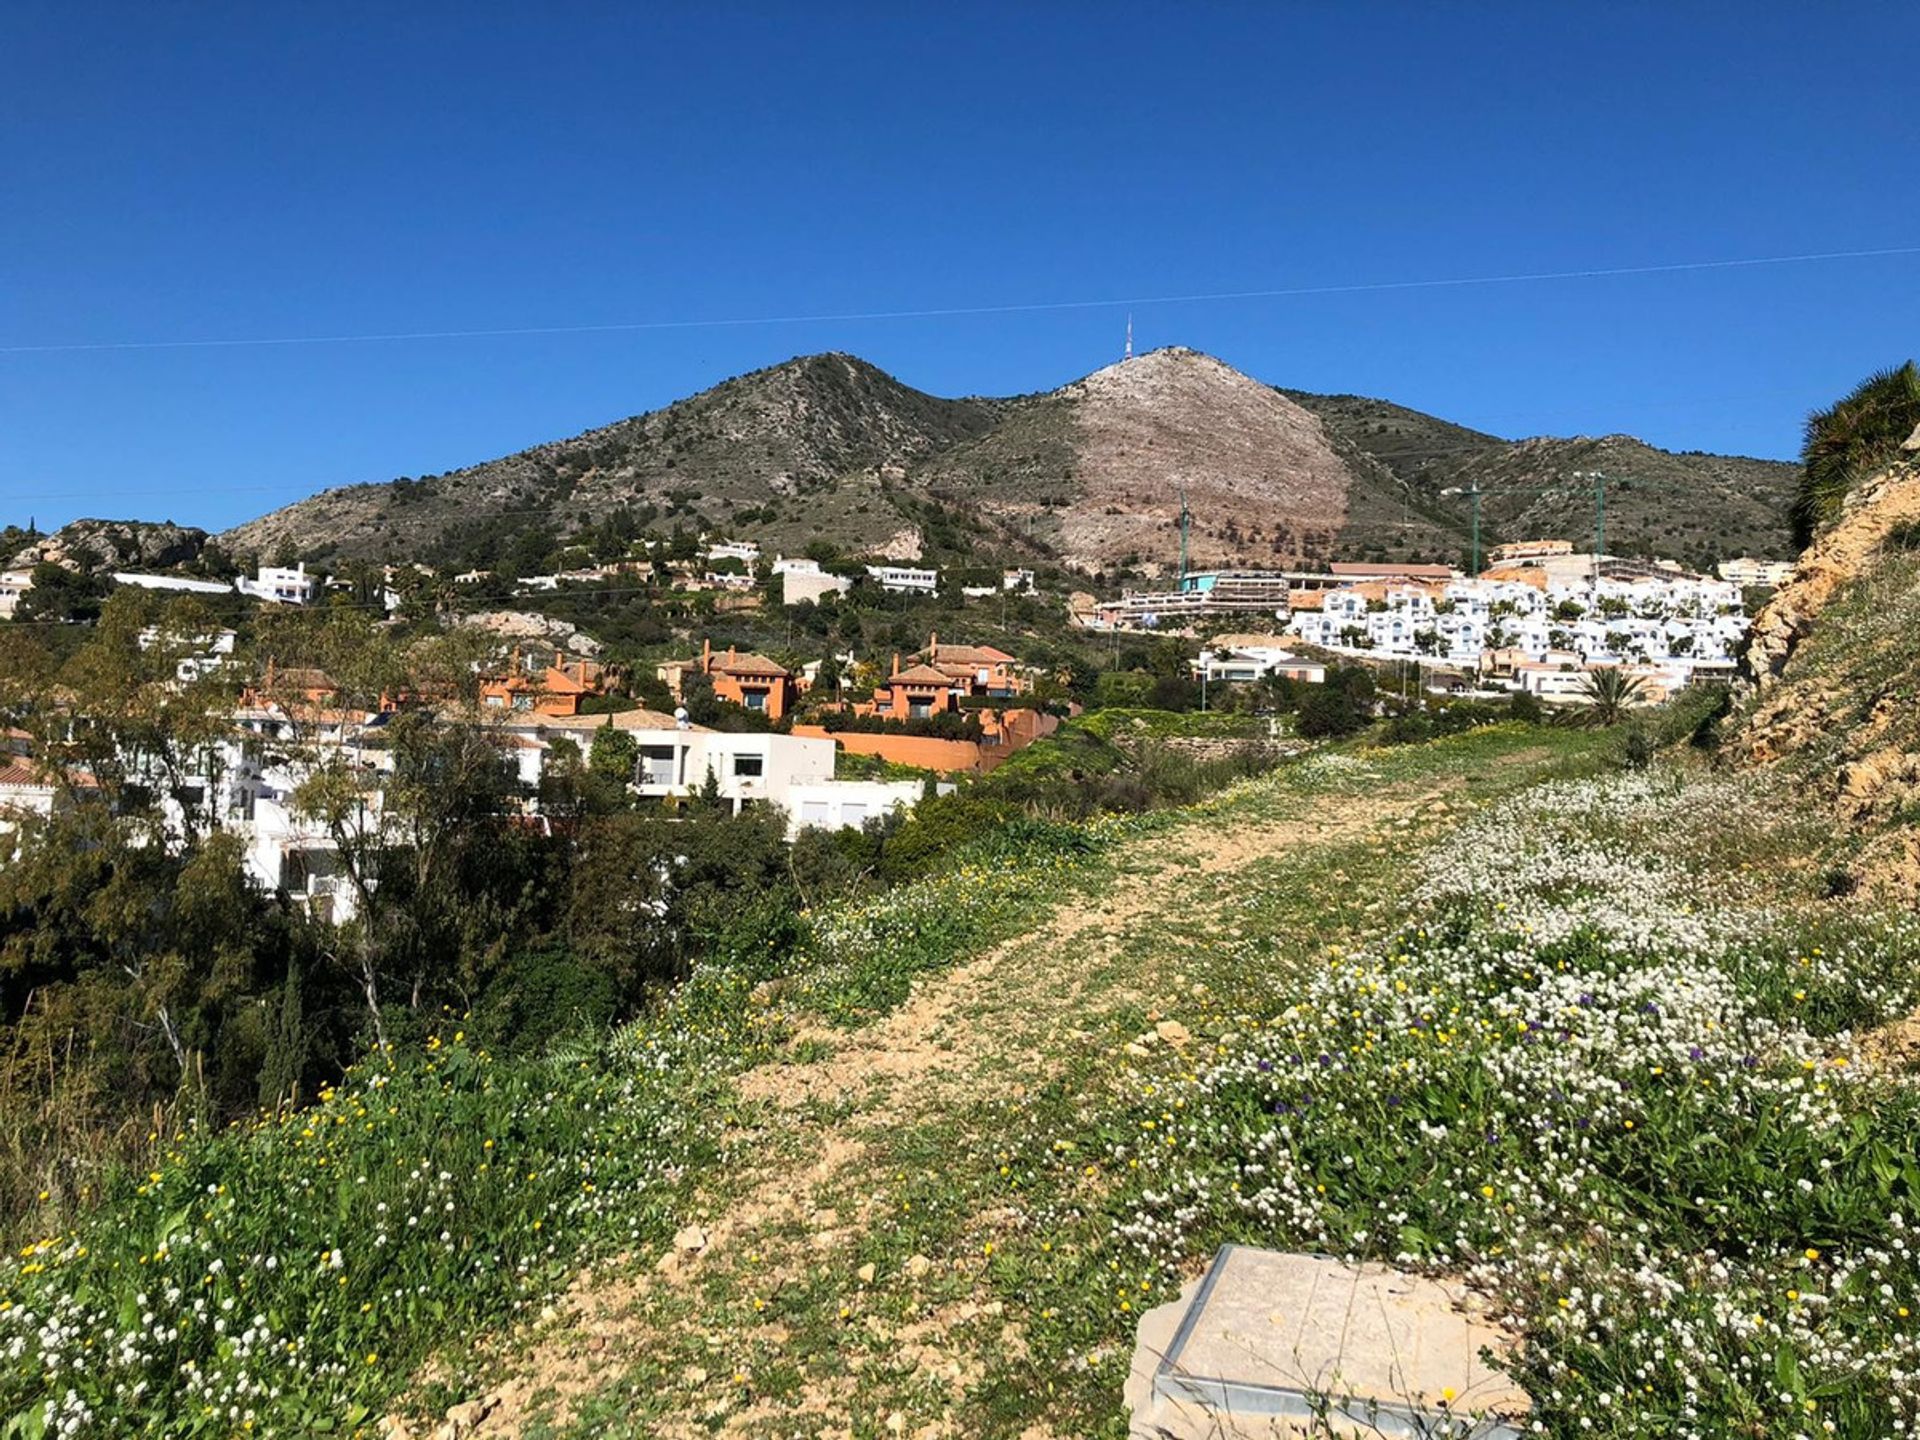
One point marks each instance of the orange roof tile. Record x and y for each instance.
(921, 675)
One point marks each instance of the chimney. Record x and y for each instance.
(896, 663)
(706, 656)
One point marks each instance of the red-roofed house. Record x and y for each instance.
(558, 691)
(750, 681)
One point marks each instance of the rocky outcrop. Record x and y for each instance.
(114, 545)
(1835, 661)
(530, 625)
(1844, 553)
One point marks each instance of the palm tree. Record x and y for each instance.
(1610, 692)
(1851, 439)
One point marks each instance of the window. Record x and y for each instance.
(754, 699)
(749, 767)
(813, 812)
(919, 709)
(853, 813)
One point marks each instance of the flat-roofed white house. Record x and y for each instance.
(906, 579)
(1241, 659)
(748, 767)
(849, 804)
(281, 584)
(13, 585)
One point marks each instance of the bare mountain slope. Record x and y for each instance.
(1097, 467)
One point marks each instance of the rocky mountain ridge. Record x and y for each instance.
(1091, 474)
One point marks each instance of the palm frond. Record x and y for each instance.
(1850, 440)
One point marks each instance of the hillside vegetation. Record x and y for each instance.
(829, 448)
(1490, 1006)
(1836, 660)
(1694, 508)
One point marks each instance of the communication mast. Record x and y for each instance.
(1128, 355)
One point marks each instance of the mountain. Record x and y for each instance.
(830, 447)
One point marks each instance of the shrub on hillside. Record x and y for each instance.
(1328, 713)
(1849, 440)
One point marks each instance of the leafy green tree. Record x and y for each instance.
(59, 594)
(1851, 439)
(1328, 712)
(155, 717)
(611, 763)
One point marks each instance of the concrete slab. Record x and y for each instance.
(1269, 1345)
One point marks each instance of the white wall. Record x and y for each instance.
(848, 804)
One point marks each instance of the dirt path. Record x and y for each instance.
(806, 1190)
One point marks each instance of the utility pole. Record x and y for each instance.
(1599, 519)
(1473, 495)
(1184, 519)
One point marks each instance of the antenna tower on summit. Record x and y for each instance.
(1129, 351)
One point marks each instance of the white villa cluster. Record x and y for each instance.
(257, 777)
(248, 781)
(1532, 624)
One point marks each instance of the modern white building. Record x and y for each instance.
(799, 588)
(1748, 571)
(198, 655)
(746, 551)
(905, 579)
(748, 768)
(283, 585)
(1655, 618)
(849, 804)
(13, 584)
(1242, 659)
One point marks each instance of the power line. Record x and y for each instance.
(961, 311)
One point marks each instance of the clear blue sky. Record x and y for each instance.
(199, 172)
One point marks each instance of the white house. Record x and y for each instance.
(200, 655)
(26, 793)
(905, 578)
(849, 804)
(1240, 659)
(748, 768)
(281, 584)
(13, 584)
(1748, 571)
(746, 551)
